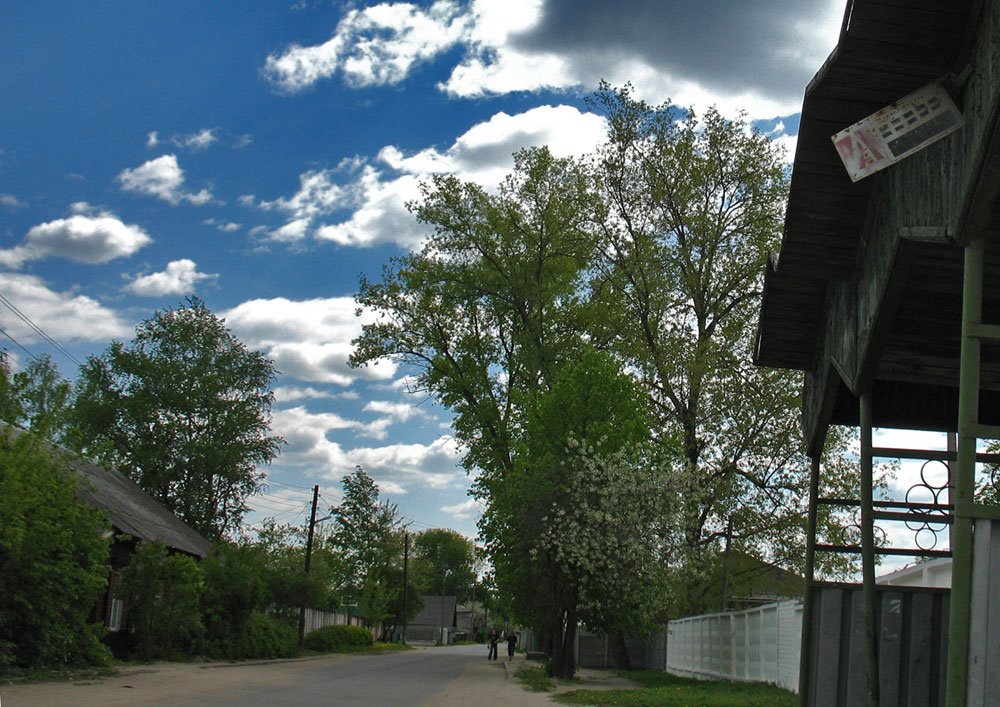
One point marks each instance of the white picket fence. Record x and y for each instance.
(754, 645)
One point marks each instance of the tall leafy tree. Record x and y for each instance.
(368, 539)
(185, 410)
(36, 398)
(695, 205)
(575, 530)
(444, 557)
(490, 304)
(491, 307)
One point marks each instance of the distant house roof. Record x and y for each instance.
(130, 509)
(436, 607)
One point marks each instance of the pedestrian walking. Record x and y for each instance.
(494, 639)
(511, 642)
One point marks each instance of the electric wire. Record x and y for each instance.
(38, 330)
(18, 343)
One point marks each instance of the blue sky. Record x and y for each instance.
(259, 154)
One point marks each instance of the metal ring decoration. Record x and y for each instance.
(925, 531)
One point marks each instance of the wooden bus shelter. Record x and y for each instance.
(886, 294)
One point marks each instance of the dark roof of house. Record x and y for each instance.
(433, 610)
(130, 509)
(133, 511)
(886, 50)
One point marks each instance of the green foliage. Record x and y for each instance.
(235, 589)
(443, 556)
(695, 206)
(368, 540)
(653, 252)
(184, 409)
(163, 594)
(534, 678)
(37, 398)
(266, 637)
(339, 639)
(53, 555)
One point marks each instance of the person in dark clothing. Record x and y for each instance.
(511, 642)
(494, 639)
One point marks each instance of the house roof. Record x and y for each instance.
(130, 509)
(436, 607)
(135, 512)
(886, 51)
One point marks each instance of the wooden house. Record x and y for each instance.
(886, 295)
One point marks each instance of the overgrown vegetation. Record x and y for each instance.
(53, 560)
(661, 689)
(339, 639)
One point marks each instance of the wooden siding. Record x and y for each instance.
(984, 649)
(866, 292)
(912, 646)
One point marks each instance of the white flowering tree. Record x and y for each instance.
(573, 529)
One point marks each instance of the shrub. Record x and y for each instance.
(332, 639)
(53, 560)
(234, 591)
(267, 637)
(164, 594)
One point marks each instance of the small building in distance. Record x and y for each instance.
(439, 612)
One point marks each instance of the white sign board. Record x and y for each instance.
(897, 131)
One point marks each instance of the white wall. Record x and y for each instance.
(755, 645)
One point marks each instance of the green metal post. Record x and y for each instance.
(965, 471)
(868, 549)
(804, 653)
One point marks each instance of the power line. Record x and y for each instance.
(18, 343)
(38, 330)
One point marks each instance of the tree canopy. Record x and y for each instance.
(444, 562)
(184, 409)
(650, 255)
(367, 540)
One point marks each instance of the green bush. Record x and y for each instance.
(163, 591)
(334, 639)
(53, 560)
(267, 637)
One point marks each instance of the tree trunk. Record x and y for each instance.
(564, 662)
(619, 651)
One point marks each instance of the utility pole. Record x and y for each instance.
(725, 564)
(406, 566)
(309, 549)
(444, 573)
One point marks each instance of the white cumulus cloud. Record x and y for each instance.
(371, 46)
(180, 278)
(163, 178)
(309, 340)
(85, 237)
(65, 316)
(375, 195)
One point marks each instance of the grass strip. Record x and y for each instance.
(660, 689)
(534, 678)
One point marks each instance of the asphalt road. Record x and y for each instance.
(410, 678)
(454, 676)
